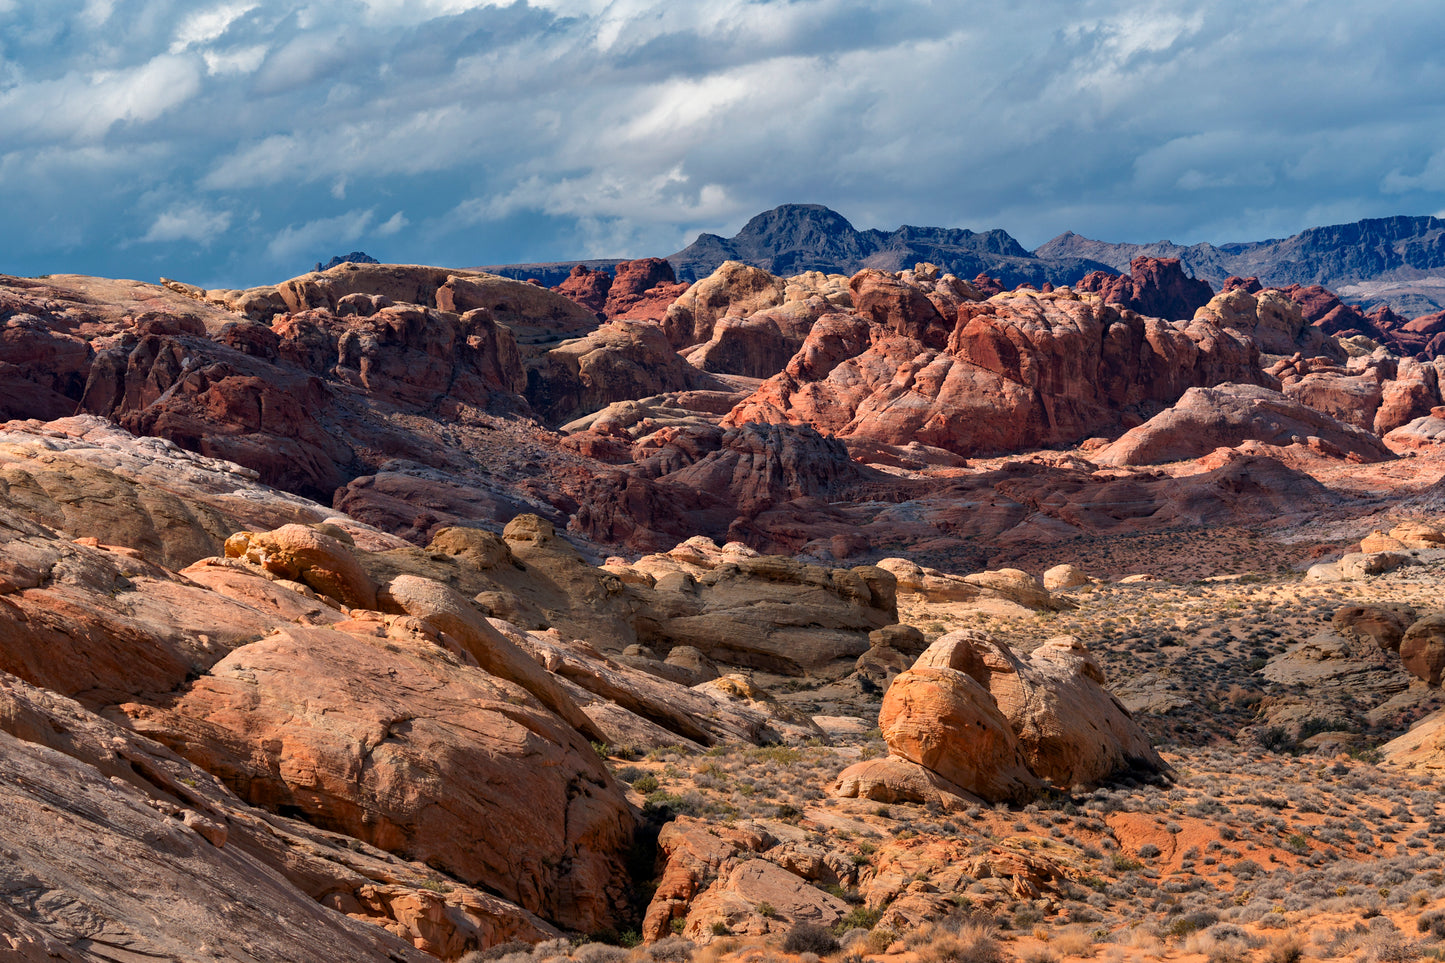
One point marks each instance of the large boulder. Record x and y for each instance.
(942, 719)
(1422, 649)
(1073, 732)
(981, 721)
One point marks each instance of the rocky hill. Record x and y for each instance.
(395, 612)
(1403, 252)
(795, 238)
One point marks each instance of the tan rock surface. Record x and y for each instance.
(367, 731)
(942, 719)
(1061, 578)
(892, 779)
(1073, 732)
(1422, 649)
(1225, 416)
(692, 853)
(735, 900)
(107, 859)
(301, 554)
(733, 290)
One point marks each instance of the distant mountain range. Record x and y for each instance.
(1398, 261)
(809, 237)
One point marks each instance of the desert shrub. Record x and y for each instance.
(1148, 851)
(1274, 738)
(1074, 941)
(1432, 923)
(497, 952)
(971, 943)
(645, 783)
(600, 953)
(810, 938)
(859, 917)
(1189, 922)
(670, 949)
(1388, 947)
(1041, 955)
(1286, 949)
(879, 940)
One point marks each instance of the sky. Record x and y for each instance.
(236, 143)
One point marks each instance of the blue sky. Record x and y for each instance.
(237, 142)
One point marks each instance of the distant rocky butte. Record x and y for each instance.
(355, 257)
(795, 238)
(1367, 253)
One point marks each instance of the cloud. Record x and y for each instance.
(85, 106)
(190, 222)
(239, 60)
(392, 225)
(546, 129)
(307, 241)
(206, 25)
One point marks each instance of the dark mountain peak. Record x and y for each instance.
(791, 220)
(355, 257)
(793, 238)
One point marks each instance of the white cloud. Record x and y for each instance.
(1430, 178)
(95, 14)
(189, 222)
(309, 240)
(392, 225)
(206, 25)
(240, 60)
(86, 106)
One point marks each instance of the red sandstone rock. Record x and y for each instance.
(942, 719)
(987, 286)
(587, 287)
(1324, 309)
(1006, 374)
(643, 290)
(1157, 287)
(1227, 415)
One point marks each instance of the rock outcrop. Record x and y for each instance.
(984, 723)
(1228, 415)
(1156, 287)
(1271, 319)
(621, 360)
(919, 361)
(365, 728)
